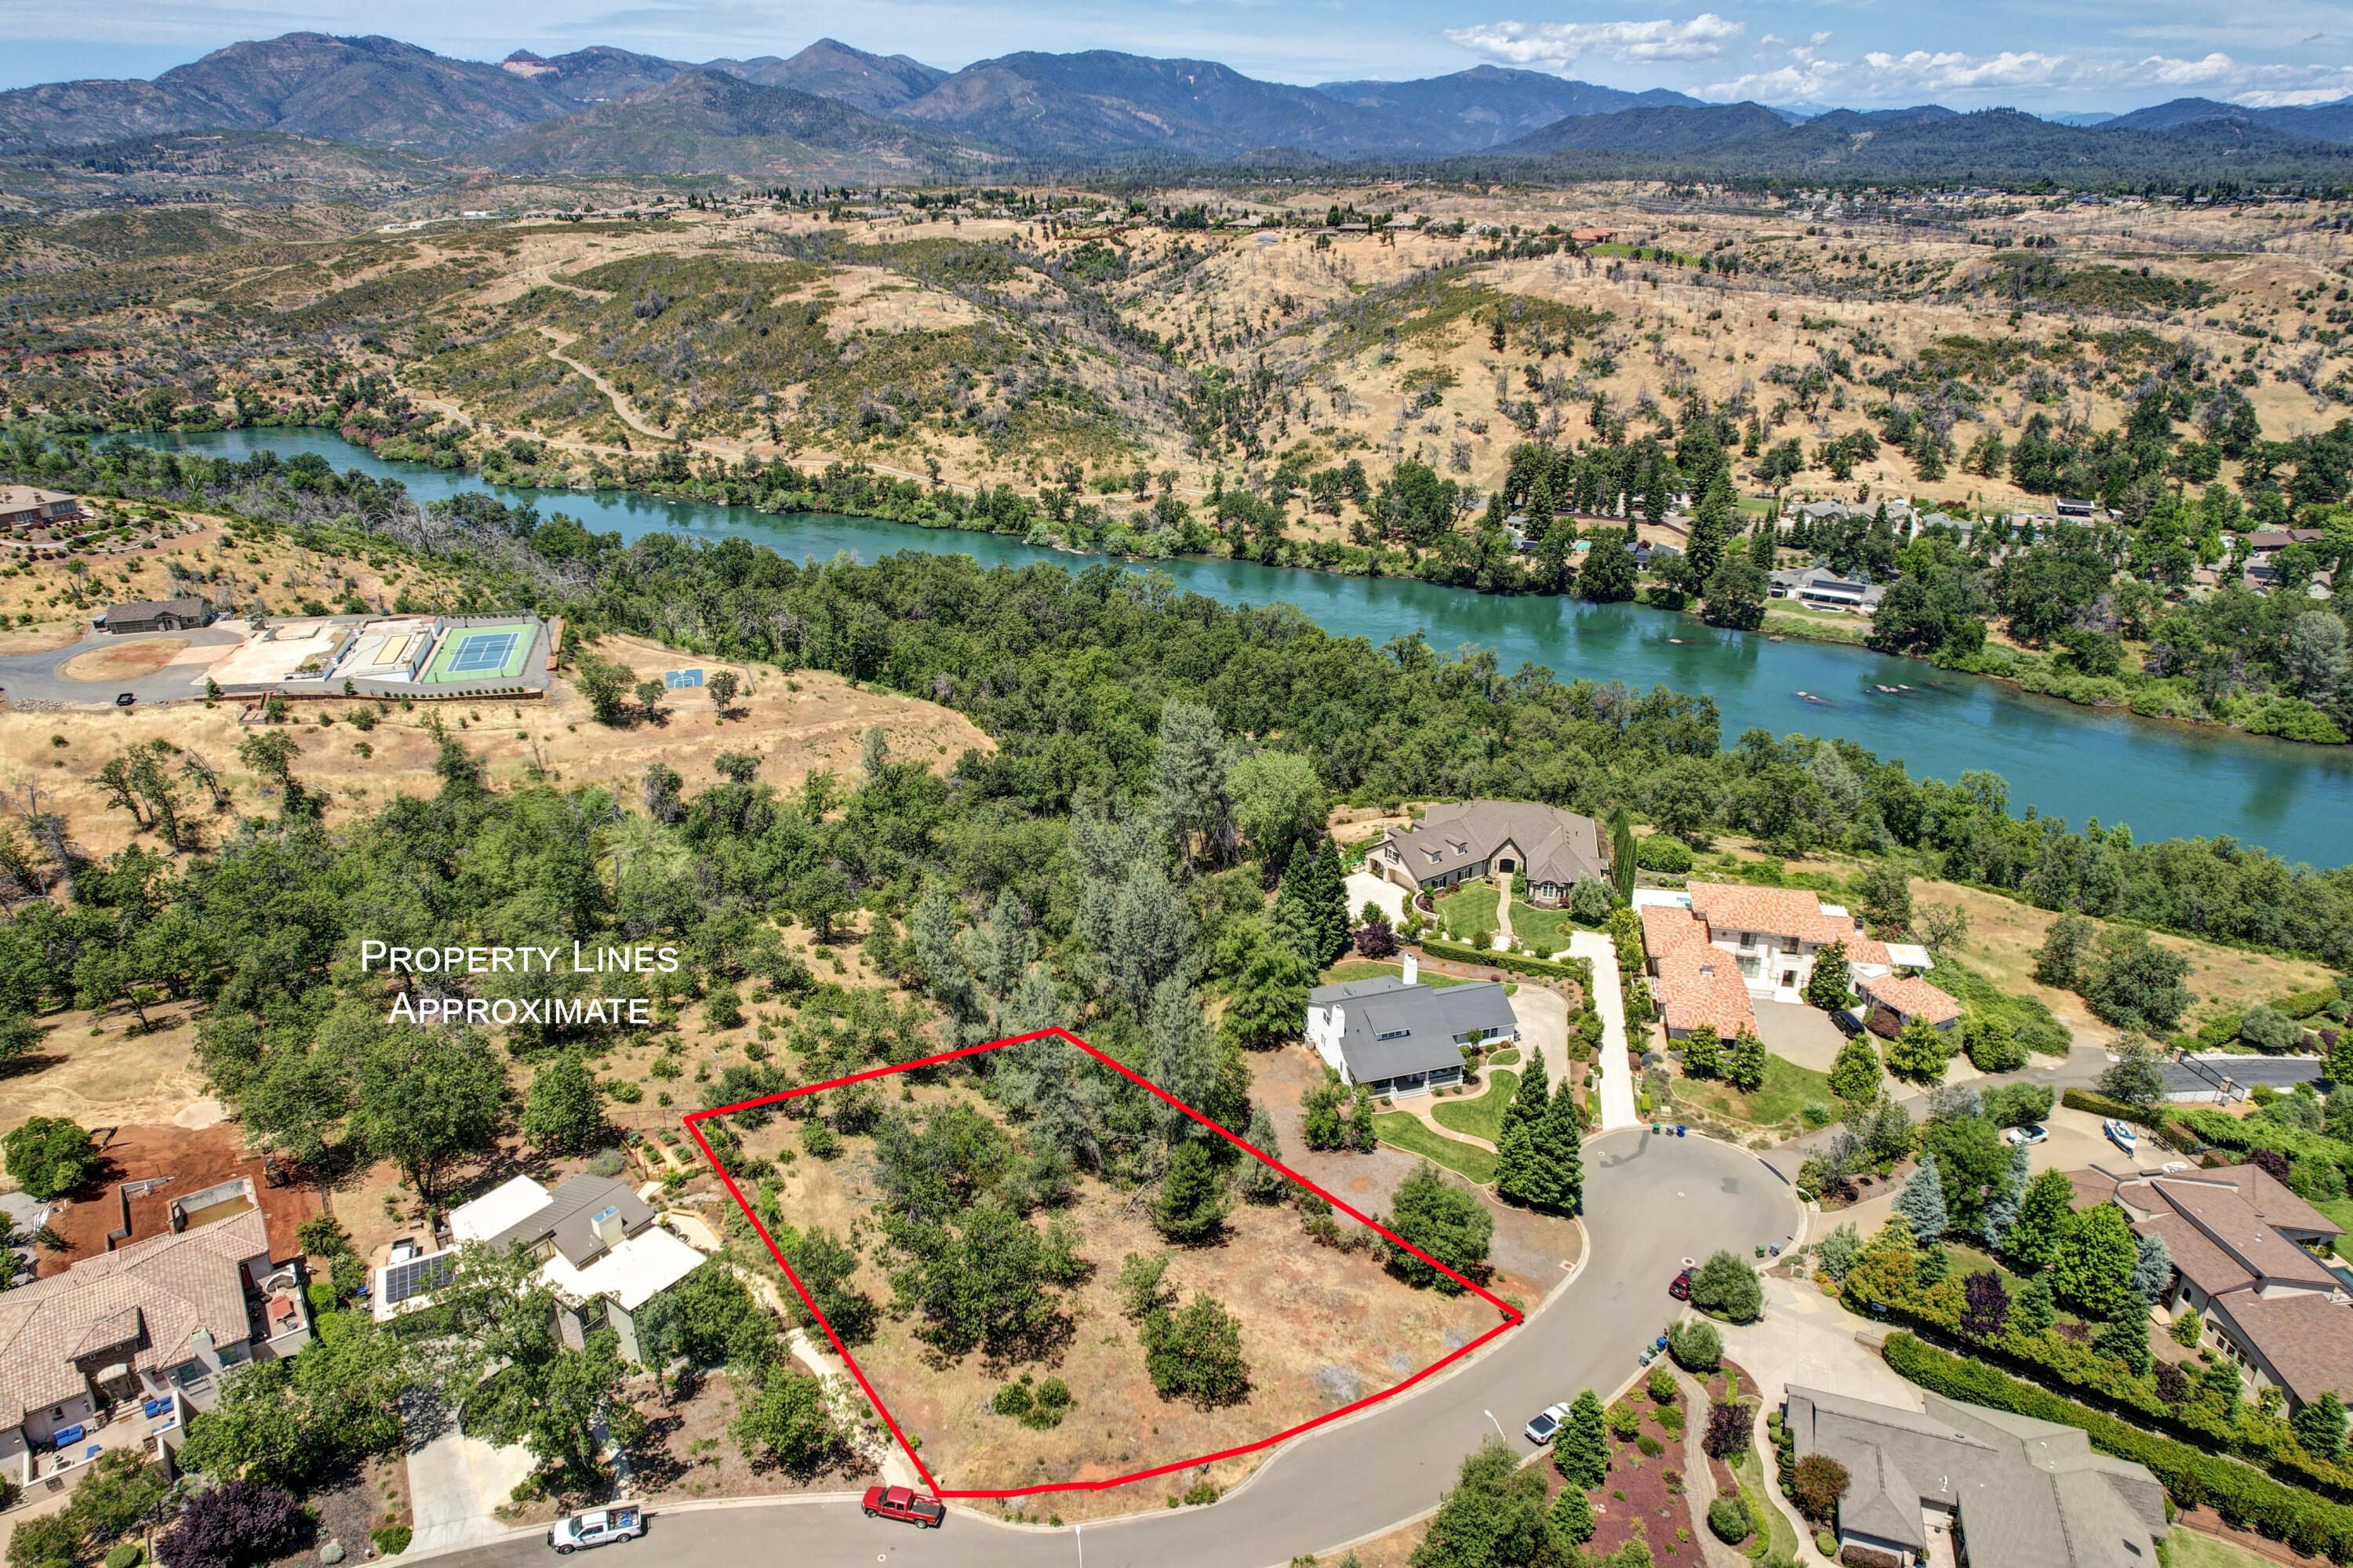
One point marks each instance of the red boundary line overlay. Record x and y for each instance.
(1512, 1316)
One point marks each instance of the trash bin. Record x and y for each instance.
(1679, 1129)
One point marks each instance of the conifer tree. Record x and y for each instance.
(1744, 1061)
(1559, 1156)
(1921, 1202)
(1328, 897)
(1580, 1449)
(2034, 1237)
(1572, 1517)
(1703, 1053)
(1294, 921)
(1856, 1075)
(1621, 854)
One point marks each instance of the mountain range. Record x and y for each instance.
(610, 111)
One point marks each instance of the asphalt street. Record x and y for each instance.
(1650, 1204)
(35, 678)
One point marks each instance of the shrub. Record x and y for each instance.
(130, 1554)
(391, 1540)
(1826, 1543)
(1626, 1422)
(2188, 1327)
(1694, 1344)
(1663, 852)
(1661, 1386)
(1728, 1517)
(1728, 1288)
(1650, 1446)
(1817, 1485)
(234, 1524)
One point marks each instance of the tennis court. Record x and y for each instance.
(481, 653)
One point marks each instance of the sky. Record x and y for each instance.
(2078, 56)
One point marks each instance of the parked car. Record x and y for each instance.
(900, 1502)
(597, 1526)
(2032, 1133)
(1539, 1431)
(1681, 1287)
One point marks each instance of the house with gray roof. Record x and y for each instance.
(1400, 1037)
(1960, 1483)
(582, 1219)
(1822, 589)
(1472, 839)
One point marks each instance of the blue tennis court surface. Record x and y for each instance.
(485, 651)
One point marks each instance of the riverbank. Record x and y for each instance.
(2065, 760)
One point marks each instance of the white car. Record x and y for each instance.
(2020, 1137)
(597, 1526)
(1539, 1431)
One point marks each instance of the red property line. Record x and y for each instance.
(1512, 1314)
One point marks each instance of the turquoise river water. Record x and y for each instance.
(2165, 780)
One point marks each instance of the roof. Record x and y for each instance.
(16, 497)
(496, 1209)
(2231, 1224)
(1421, 1022)
(2029, 1493)
(2269, 1198)
(632, 1274)
(1912, 997)
(138, 1305)
(1558, 846)
(1697, 981)
(568, 1215)
(1783, 911)
(2306, 1338)
(148, 609)
(2092, 1187)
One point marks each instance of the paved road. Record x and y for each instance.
(1651, 1203)
(2280, 1072)
(33, 677)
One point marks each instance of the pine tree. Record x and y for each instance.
(1560, 1153)
(1703, 1053)
(1191, 1207)
(1572, 1517)
(1921, 1202)
(1296, 922)
(1580, 1449)
(1519, 1174)
(1764, 544)
(1743, 1063)
(1856, 1076)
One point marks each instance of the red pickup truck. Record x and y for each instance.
(900, 1502)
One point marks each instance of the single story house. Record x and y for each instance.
(1909, 997)
(157, 614)
(2243, 1250)
(1961, 1483)
(159, 1322)
(1399, 1037)
(1823, 588)
(1472, 839)
(22, 506)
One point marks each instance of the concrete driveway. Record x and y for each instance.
(455, 1481)
(1798, 1033)
(1617, 1096)
(1650, 1201)
(1364, 888)
(1544, 1027)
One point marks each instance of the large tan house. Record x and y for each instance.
(1472, 841)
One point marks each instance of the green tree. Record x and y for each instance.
(271, 753)
(1622, 858)
(2091, 1267)
(1447, 1224)
(1270, 998)
(1560, 1152)
(1494, 1517)
(2321, 1426)
(1973, 1165)
(2060, 961)
(1727, 1288)
(1259, 1181)
(604, 683)
(1572, 1516)
(1825, 984)
(428, 1098)
(1918, 1051)
(2043, 1215)
(1733, 594)
(50, 1156)
(1518, 1178)
(1855, 1073)
(1192, 1206)
(1744, 1061)
(1922, 1201)
(787, 1423)
(1703, 1052)
(1195, 1353)
(722, 686)
(1607, 575)
(2138, 984)
(818, 895)
(564, 1112)
(1883, 893)
(1580, 1449)
(1277, 802)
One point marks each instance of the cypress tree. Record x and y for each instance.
(1520, 1176)
(1581, 1447)
(1295, 921)
(1328, 888)
(1572, 1517)
(1621, 854)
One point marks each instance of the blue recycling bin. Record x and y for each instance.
(1679, 1129)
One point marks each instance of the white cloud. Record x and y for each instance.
(1881, 76)
(1556, 45)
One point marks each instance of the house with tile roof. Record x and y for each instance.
(1716, 946)
(1471, 840)
(161, 1319)
(1958, 1482)
(1909, 997)
(2245, 1256)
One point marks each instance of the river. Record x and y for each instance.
(2165, 780)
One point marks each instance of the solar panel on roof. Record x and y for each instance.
(419, 1276)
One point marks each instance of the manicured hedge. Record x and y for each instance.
(1579, 969)
(2245, 1498)
(2224, 1130)
(2150, 1117)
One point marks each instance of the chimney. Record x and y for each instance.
(1412, 971)
(607, 1222)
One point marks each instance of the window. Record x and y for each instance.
(1749, 963)
(1748, 938)
(1394, 1034)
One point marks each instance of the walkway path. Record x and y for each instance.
(849, 1405)
(1699, 1477)
(1502, 942)
(1608, 999)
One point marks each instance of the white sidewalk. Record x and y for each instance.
(1616, 1072)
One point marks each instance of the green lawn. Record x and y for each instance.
(1482, 1116)
(1781, 1536)
(1367, 968)
(1509, 1054)
(1545, 930)
(1786, 1090)
(2340, 1210)
(2188, 1549)
(1402, 1131)
(1471, 909)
